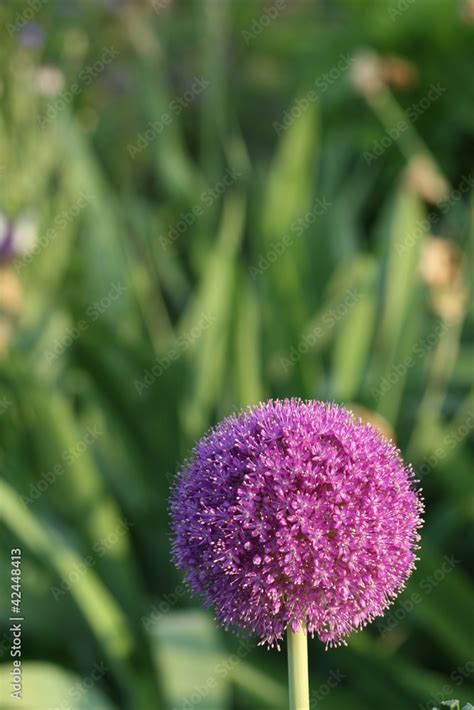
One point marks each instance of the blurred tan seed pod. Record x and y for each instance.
(441, 270)
(368, 416)
(440, 262)
(366, 74)
(424, 178)
(467, 11)
(399, 72)
(450, 303)
(11, 292)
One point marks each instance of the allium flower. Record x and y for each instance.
(294, 513)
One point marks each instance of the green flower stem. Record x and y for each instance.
(298, 669)
(393, 118)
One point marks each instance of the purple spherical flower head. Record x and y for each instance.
(6, 240)
(295, 513)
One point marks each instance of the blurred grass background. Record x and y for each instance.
(206, 203)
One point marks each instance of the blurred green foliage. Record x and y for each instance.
(233, 201)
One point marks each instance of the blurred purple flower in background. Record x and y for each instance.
(6, 241)
(31, 36)
(295, 513)
(16, 238)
